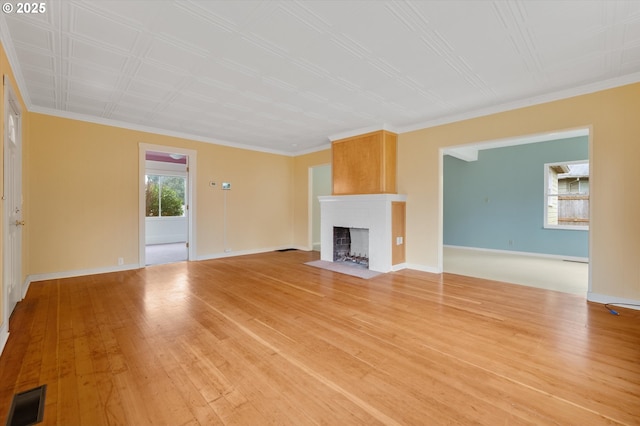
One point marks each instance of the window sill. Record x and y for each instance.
(567, 227)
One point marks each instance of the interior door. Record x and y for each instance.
(13, 202)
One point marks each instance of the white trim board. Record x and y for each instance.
(78, 273)
(423, 268)
(613, 301)
(522, 253)
(247, 252)
(4, 335)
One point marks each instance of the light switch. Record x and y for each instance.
(399, 241)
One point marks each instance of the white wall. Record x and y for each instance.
(164, 230)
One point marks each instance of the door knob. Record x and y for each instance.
(19, 222)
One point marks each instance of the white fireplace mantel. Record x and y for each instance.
(369, 211)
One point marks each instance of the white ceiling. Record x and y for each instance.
(285, 76)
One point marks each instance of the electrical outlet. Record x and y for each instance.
(120, 261)
(226, 186)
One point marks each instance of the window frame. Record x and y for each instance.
(169, 170)
(546, 195)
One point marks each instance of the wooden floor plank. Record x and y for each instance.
(266, 339)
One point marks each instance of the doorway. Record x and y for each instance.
(319, 184)
(495, 201)
(12, 196)
(167, 201)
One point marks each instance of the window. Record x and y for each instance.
(12, 129)
(567, 195)
(165, 195)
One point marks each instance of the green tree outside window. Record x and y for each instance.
(165, 195)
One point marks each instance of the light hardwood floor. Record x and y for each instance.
(265, 339)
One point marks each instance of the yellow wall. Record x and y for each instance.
(84, 190)
(615, 197)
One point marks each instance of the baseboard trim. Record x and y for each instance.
(77, 273)
(119, 268)
(25, 287)
(423, 268)
(522, 253)
(612, 300)
(398, 267)
(4, 335)
(247, 252)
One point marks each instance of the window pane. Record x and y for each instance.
(567, 197)
(165, 195)
(152, 188)
(172, 196)
(573, 209)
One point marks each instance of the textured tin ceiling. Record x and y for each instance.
(284, 76)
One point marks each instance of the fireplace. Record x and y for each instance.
(351, 245)
(371, 212)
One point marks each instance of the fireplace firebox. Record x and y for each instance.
(351, 245)
(371, 212)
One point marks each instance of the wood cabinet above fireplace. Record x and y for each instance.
(365, 164)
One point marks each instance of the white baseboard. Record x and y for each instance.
(77, 273)
(246, 252)
(398, 267)
(612, 300)
(25, 287)
(4, 335)
(522, 253)
(423, 268)
(93, 271)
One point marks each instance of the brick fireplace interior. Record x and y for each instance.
(351, 245)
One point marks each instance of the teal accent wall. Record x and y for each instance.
(497, 201)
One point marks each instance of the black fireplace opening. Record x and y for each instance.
(351, 245)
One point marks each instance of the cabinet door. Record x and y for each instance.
(356, 165)
(398, 227)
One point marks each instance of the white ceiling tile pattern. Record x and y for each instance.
(283, 76)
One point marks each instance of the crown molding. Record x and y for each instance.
(154, 130)
(362, 131)
(318, 148)
(523, 103)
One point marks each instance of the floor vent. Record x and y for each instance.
(27, 407)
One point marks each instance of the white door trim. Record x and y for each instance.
(191, 196)
(12, 209)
